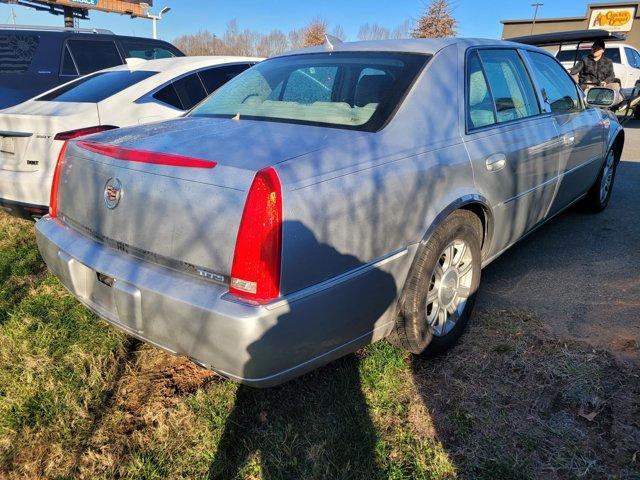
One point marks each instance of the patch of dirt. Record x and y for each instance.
(147, 399)
(514, 401)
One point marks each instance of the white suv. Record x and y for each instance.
(625, 58)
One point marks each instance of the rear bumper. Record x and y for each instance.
(257, 345)
(23, 210)
(25, 189)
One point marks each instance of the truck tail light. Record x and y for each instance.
(81, 132)
(55, 185)
(255, 272)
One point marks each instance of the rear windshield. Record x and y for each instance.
(95, 88)
(17, 52)
(358, 90)
(612, 54)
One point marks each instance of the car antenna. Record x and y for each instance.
(330, 42)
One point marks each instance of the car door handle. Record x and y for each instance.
(496, 162)
(568, 139)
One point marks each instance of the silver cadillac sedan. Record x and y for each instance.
(325, 199)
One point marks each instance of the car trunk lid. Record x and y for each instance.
(178, 215)
(27, 131)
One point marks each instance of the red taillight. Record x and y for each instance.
(55, 184)
(144, 156)
(255, 273)
(81, 132)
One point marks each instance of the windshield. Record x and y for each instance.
(358, 90)
(95, 88)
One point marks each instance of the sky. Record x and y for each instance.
(476, 18)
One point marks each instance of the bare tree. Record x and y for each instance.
(403, 30)
(338, 32)
(373, 32)
(437, 21)
(272, 44)
(201, 43)
(315, 32)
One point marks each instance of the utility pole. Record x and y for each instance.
(68, 17)
(535, 14)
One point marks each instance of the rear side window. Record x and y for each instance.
(68, 67)
(511, 89)
(169, 96)
(479, 104)
(146, 51)
(94, 55)
(214, 78)
(558, 89)
(95, 88)
(17, 52)
(190, 90)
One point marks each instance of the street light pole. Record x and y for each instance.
(535, 14)
(155, 18)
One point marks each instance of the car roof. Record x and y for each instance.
(427, 46)
(176, 65)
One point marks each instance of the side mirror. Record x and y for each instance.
(603, 97)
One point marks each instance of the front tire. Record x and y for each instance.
(441, 289)
(599, 194)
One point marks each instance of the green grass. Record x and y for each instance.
(78, 399)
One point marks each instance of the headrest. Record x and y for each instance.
(372, 89)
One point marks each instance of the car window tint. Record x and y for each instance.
(309, 85)
(169, 96)
(95, 88)
(636, 55)
(569, 55)
(329, 88)
(94, 55)
(613, 54)
(68, 67)
(479, 104)
(146, 51)
(511, 88)
(17, 52)
(558, 88)
(190, 90)
(214, 78)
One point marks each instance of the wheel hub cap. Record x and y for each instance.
(449, 288)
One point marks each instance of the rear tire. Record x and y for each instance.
(440, 292)
(599, 194)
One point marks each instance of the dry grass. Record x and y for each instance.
(80, 400)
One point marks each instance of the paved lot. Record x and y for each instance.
(581, 272)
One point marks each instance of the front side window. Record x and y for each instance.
(94, 55)
(146, 51)
(95, 88)
(558, 89)
(17, 52)
(513, 94)
(353, 90)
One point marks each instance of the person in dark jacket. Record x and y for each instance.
(595, 69)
